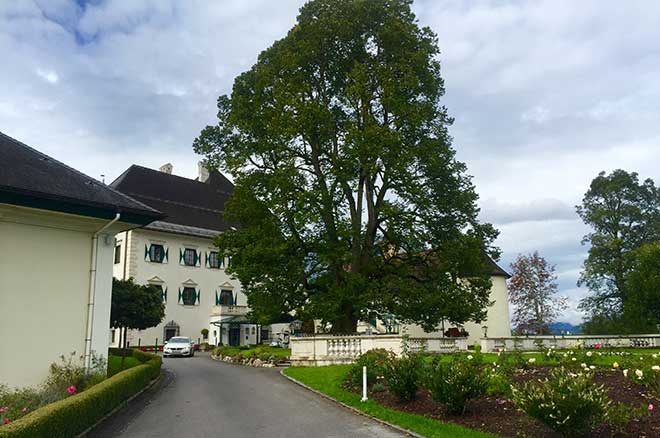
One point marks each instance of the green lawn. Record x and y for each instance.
(329, 380)
(256, 350)
(114, 364)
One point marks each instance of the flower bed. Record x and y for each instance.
(256, 355)
(548, 394)
(80, 410)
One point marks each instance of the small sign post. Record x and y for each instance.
(364, 384)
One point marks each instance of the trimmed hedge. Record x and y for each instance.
(73, 415)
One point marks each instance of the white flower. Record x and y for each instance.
(615, 365)
(583, 365)
(591, 367)
(654, 356)
(655, 367)
(625, 373)
(532, 360)
(589, 353)
(573, 359)
(639, 373)
(469, 357)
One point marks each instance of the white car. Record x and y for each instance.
(179, 346)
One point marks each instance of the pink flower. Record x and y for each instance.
(71, 390)
(3, 409)
(24, 410)
(650, 406)
(7, 420)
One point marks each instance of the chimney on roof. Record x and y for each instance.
(203, 172)
(166, 168)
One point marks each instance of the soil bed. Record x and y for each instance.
(500, 416)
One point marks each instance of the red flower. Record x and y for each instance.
(7, 420)
(71, 390)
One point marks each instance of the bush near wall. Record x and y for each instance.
(73, 415)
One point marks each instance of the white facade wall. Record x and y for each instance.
(45, 262)
(497, 319)
(172, 275)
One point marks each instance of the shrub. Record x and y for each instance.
(457, 382)
(403, 376)
(498, 384)
(375, 360)
(72, 415)
(619, 416)
(569, 403)
(378, 387)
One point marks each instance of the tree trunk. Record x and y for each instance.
(123, 347)
(345, 324)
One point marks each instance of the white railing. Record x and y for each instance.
(329, 349)
(229, 310)
(531, 343)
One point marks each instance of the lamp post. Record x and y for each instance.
(485, 329)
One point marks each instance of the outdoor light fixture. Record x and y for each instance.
(485, 329)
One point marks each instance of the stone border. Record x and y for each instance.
(245, 362)
(353, 409)
(122, 405)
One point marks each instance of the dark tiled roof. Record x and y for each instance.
(31, 178)
(184, 201)
(496, 270)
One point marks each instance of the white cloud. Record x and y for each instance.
(48, 75)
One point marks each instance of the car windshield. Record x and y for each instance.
(179, 341)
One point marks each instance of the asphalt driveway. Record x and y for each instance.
(200, 397)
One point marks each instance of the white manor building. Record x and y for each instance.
(178, 255)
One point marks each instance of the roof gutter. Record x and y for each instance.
(92, 292)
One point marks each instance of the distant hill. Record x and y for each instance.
(556, 328)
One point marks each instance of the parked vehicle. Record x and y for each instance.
(179, 346)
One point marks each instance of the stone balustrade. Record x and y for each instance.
(329, 349)
(531, 343)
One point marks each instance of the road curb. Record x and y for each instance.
(121, 406)
(351, 408)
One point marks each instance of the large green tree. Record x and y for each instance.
(643, 304)
(624, 214)
(348, 194)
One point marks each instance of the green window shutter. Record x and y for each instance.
(198, 293)
(167, 250)
(234, 299)
(217, 301)
(222, 260)
(164, 295)
(180, 256)
(206, 259)
(180, 296)
(198, 258)
(146, 252)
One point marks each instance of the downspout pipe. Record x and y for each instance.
(92, 292)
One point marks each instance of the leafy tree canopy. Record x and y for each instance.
(643, 304)
(348, 193)
(134, 306)
(624, 214)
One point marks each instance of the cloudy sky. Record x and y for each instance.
(545, 94)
